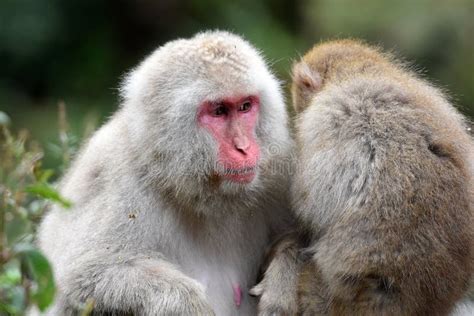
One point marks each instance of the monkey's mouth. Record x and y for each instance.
(243, 175)
(245, 170)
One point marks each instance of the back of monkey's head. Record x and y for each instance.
(329, 62)
(384, 152)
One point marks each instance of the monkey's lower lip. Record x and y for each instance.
(245, 170)
(240, 175)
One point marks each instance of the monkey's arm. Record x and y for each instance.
(130, 283)
(278, 288)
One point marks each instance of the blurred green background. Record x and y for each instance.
(77, 50)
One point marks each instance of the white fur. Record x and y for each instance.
(464, 308)
(147, 232)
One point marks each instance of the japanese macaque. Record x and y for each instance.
(383, 191)
(176, 197)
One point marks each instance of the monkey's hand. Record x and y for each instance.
(172, 292)
(132, 283)
(278, 289)
(185, 297)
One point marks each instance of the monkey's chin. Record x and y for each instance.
(240, 178)
(239, 186)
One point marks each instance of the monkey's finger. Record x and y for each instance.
(257, 290)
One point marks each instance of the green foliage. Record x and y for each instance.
(435, 35)
(46, 191)
(38, 269)
(26, 278)
(50, 52)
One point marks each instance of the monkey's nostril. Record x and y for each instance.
(241, 151)
(241, 144)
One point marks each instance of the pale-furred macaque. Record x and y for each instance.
(177, 196)
(383, 191)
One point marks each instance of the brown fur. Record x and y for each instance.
(385, 184)
(408, 248)
(280, 267)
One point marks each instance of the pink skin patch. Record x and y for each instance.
(232, 122)
(237, 294)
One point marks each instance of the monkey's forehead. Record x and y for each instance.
(215, 50)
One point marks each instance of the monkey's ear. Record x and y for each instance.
(306, 78)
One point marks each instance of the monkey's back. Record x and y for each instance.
(390, 190)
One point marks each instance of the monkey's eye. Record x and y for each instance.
(245, 107)
(219, 111)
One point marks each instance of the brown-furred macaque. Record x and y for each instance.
(177, 196)
(383, 190)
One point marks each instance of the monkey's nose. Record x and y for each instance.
(241, 143)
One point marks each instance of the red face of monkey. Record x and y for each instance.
(231, 122)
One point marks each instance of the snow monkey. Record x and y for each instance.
(176, 197)
(383, 190)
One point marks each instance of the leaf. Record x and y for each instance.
(11, 277)
(17, 228)
(43, 175)
(46, 191)
(14, 304)
(40, 271)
